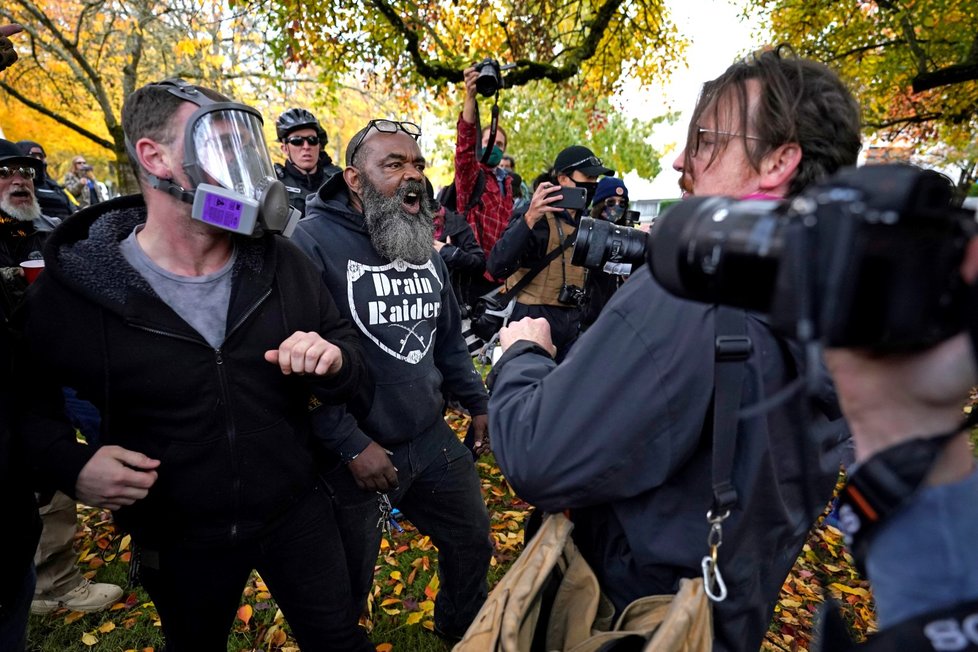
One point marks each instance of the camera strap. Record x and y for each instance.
(882, 484)
(539, 267)
(732, 348)
(483, 154)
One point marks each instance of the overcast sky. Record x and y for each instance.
(717, 37)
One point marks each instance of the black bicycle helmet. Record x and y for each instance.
(297, 119)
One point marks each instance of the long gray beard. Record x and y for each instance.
(21, 213)
(394, 233)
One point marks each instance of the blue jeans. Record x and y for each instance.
(300, 559)
(924, 557)
(13, 618)
(440, 493)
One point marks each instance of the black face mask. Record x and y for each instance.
(590, 187)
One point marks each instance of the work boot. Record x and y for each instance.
(87, 597)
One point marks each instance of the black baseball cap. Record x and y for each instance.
(580, 158)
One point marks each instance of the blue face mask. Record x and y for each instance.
(495, 156)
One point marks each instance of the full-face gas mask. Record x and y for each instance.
(225, 156)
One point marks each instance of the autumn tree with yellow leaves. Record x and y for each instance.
(913, 65)
(81, 58)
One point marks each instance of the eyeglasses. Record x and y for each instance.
(297, 141)
(384, 127)
(80, 163)
(592, 161)
(615, 201)
(37, 155)
(24, 171)
(714, 132)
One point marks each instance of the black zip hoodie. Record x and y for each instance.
(230, 429)
(407, 314)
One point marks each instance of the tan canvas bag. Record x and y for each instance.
(580, 618)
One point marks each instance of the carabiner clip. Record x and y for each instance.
(713, 579)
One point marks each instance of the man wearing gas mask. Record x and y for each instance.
(370, 231)
(537, 241)
(631, 457)
(210, 345)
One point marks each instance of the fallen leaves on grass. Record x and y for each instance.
(406, 584)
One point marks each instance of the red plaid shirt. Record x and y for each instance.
(490, 216)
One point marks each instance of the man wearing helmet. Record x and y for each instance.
(307, 165)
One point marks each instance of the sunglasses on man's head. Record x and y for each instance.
(24, 171)
(385, 127)
(296, 141)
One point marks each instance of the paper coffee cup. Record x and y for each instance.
(31, 269)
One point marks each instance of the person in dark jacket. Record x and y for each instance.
(16, 565)
(51, 195)
(631, 456)
(23, 228)
(209, 355)
(23, 232)
(307, 165)
(556, 292)
(456, 244)
(370, 231)
(610, 204)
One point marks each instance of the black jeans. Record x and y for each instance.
(440, 493)
(300, 559)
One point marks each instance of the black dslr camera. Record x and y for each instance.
(490, 78)
(599, 242)
(571, 295)
(870, 258)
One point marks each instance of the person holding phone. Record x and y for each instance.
(538, 240)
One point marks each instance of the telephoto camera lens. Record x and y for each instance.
(719, 250)
(599, 242)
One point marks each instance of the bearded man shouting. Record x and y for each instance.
(370, 230)
(23, 229)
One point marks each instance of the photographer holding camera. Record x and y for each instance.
(537, 242)
(80, 181)
(483, 190)
(631, 456)
(611, 205)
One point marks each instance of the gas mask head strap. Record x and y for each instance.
(188, 93)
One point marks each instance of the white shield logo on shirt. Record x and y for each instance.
(396, 306)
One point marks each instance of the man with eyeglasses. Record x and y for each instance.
(307, 165)
(537, 241)
(631, 455)
(370, 231)
(23, 227)
(54, 201)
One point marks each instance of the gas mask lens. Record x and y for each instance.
(231, 152)
(238, 190)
